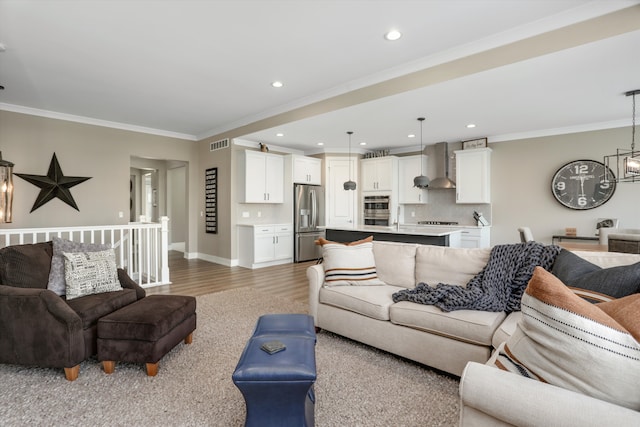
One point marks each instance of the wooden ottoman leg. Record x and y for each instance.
(189, 338)
(108, 366)
(72, 373)
(152, 369)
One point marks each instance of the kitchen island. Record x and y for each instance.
(439, 236)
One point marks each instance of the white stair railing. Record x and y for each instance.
(141, 248)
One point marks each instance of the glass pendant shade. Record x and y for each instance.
(421, 181)
(6, 190)
(349, 185)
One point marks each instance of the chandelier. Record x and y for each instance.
(626, 164)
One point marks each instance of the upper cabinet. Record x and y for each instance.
(307, 170)
(473, 176)
(380, 174)
(409, 168)
(260, 177)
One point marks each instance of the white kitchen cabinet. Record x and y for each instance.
(479, 237)
(307, 170)
(260, 177)
(409, 168)
(265, 245)
(473, 176)
(379, 174)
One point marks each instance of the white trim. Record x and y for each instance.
(94, 122)
(217, 260)
(560, 131)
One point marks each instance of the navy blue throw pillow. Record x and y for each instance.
(577, 272)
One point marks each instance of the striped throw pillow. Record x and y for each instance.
(349, 265)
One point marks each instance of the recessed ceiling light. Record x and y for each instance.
(393, 35)
(471, 126)
(277, 84)
(320, 143)
(279, 134)
(411, 135)
(363, 143)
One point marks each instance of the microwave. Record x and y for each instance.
(376, 210)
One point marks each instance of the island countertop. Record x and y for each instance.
(440, 236)
(420, 230)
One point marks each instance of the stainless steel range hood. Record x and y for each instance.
(443, 159)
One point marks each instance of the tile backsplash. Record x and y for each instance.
(442, 206)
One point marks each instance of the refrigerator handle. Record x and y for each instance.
(314, 208)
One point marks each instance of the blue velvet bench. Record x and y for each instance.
(278, 388)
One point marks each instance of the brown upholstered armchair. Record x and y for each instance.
(40, 328)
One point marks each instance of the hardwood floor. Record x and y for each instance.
(197, 277)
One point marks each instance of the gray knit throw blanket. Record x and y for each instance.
(498, 287)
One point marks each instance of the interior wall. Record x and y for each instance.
(214, 247)
(521, 173)
(176, 207)
(521, 180)
(83, 150)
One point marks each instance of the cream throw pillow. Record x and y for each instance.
(568, 342)
(90, 273)
(349, 265)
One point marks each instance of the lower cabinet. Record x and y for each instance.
(475, 237)
(265, 245)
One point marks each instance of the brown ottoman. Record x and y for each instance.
(143, 332)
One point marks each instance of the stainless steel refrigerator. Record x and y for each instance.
(308, 217)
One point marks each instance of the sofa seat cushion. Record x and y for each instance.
(506, 328)
(452, 266)
(473, 326)
(370, 301)
(92, 307)
(396, 263)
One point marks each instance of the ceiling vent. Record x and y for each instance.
(219, 145)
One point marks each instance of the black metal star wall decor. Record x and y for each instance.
(53, 184)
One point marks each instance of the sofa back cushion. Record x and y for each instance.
(452, 266)
(608, 259)
(26, 266)
(396, 263)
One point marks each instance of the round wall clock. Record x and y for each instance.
(581, 184)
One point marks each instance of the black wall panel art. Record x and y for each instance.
(211, 200)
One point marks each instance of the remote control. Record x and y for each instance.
(272, 347)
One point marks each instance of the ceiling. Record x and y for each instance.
(198, 69)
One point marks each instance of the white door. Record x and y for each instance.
(341, 203)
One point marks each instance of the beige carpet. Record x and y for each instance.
(357, 385)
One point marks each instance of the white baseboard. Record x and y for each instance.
(214, 259)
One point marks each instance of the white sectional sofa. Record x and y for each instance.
(449, 341)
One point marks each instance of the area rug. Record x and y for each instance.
(357, 385)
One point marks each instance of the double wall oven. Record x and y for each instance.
(376, 210)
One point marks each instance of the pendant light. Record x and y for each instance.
(349, 185)
(421, 181)
(626, 164)
(6, 190)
